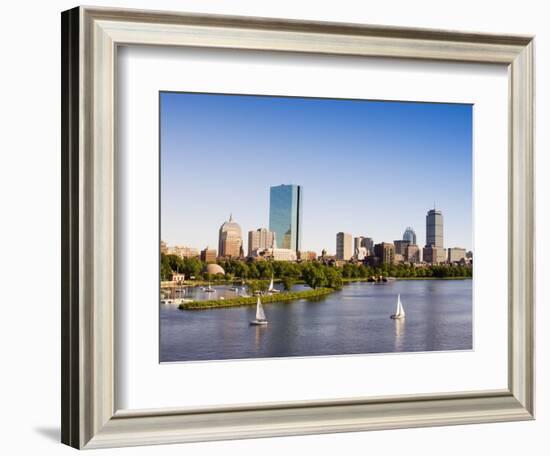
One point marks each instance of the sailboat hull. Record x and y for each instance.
(258, 323)
(397, 317)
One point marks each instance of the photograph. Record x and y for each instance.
(297, 227)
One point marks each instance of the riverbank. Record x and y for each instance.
(249, 301)
(392, 279)
(434, 278)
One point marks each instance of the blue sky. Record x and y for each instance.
(368, 168)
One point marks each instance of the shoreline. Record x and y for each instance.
(202, 283)
(251, 301)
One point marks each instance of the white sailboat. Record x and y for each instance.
(399, 312)
(260, 315)
(271, 288)
(209, 289)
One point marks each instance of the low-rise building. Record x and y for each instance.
(208, 255)
(178, 277)
(412, 254)
(307, 255)
(456, 255)
(183, 251)
(385, 251)
(433, 255)
(274, 254)
(401, 246)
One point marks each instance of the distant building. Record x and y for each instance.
(398, 258)
(230, 241)
(275, 254)
(163, 247)
(343, 246)
(456, 255)
(412, 254)
(208, 255)
(307, 255)
(433, 255)
(178, 277)
(182, 251)
(368, 243)
(285, 215)
(409, 235)
(261, 238)
(362, 241)
(385, 251)
(361, 253)
(434, 228)
(401, 246)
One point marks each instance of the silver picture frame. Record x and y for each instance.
(90, 39)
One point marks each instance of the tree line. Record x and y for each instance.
(314, 273)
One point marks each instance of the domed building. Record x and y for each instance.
(214, 269)
(230, 243)
(409, 235)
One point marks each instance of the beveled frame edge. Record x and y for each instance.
(90, 37)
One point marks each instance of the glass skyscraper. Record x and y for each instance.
(285, 215)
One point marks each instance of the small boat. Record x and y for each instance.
(175, 301)
(271, 288)
(260, 315)
(399, 312)
(209, 289)
(234, 289)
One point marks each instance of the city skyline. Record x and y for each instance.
(359, 185)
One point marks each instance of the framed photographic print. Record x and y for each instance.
(282, 227)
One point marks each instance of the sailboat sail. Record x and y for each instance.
(401, 311)
(260, 315)
(398, 308)
(271, 285)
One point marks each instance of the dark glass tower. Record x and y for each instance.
(285, 215)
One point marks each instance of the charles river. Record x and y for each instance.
(353, 320)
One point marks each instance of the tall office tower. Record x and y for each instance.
(230, 241)
(434, 228)
(409, 235)
(261, 239)
(343, 246)
(285, 215)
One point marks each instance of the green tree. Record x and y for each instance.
(288, 282)
(333, 278)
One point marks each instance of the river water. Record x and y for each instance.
(351, 321)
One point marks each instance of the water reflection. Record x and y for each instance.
(399, 333)
(353, 320)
